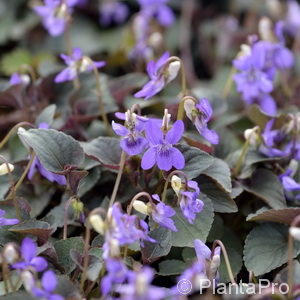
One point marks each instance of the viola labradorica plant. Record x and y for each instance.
(121, 181)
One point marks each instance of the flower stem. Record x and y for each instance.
(65, 229)
(20, 181)
(13, 131)
(118, 180)
(294, 223)
(241, 158)
(180, 113)
(227, 262)
(101, 103)
(85, 255)
(228, 83)
(14, 189)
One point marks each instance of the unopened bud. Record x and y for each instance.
(142, 281)
(265, 28)
(5, 168)
(252, 135)
(114, 248)
(155, 40)
(140, 206)
(166, 120)
(28, 280)
(62, 11)
(173, 70)
(97, 223)
(295, 233)
(189, 107)
(176, 184)
(85, 64)
(215, 261)
(10, 253)
(25, 78)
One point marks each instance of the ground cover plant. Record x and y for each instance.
(149, 149)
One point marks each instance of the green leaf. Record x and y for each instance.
(266, 248)
(153, 251)
(67, 288)
(106, 150)
(284, 216)
(56, 150)
(187, 232)
(13, 61)
(40, 229)
(217, 229)
(196, 161)
(265, 185)
(63, 247)
(171, 267)
(221, 200)
(46, 115)
(219, 172)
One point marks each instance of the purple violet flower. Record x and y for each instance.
(289, 184)
(162, 213)
(30, 260)
(114, 11)
(139, 286)
(159, 10)
(133, 141)
(7, 222)
(48, 286)
(200, 114)
(36, 165)
(188, 198)
(55, 14)
(161, 151)
(198, 270)
(116, 274)
(161, 73)
(76, 63)
(127, 229)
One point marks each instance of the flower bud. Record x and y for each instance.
(114, 248)
(140, 206)
(252, 135)
(5, 168)
(142, 282)
(265, 29)
(10, 253)
(97, 223)
(85, 64)
(295, 233)
(173, 70)
(25, 78)
(176, 184)
(215, 261)
(62, 11)
(166, 120)
(28, 280)
(155, 40)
